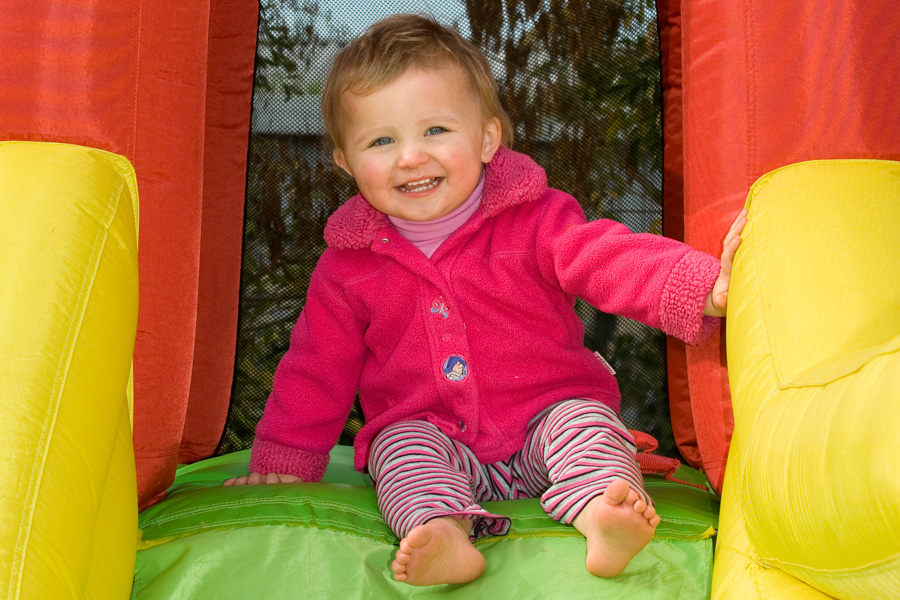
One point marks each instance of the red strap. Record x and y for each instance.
(653, 464)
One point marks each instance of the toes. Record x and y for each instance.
(616, 492)
(398, 568)
(632, 497)
(651, 516)
(404, 553)
(418, 537)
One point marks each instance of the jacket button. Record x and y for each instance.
(461, 425)
(446, 336)
(385, 240)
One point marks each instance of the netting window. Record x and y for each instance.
(581, 83)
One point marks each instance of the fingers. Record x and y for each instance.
(251, 479)
(741, 218)
(260, 479)
(738, 225)
(280, 478)
(236, 481)
(733, 237)
(720, 301)
(729, 249)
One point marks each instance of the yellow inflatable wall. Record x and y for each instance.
(812, 489)
(68, 313)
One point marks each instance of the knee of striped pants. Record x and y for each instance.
(585, 446)
(420, 474)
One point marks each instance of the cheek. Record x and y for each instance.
(464, 160)
(372, 175)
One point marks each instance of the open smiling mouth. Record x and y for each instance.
(423, 185)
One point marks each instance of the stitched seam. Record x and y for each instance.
(337, 526)
(271, 500)
(749, 57)
(847, 570)
(761, 260)
(37, 472)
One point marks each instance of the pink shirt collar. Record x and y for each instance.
(427, 236)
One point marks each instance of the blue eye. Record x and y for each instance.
(435, 131)
(382, 141)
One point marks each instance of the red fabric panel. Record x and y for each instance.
(128, 77)
(669, 14)
(716, 130)
(232, 49)
(169, 153)
(131, 77)
(68, 72)
(766, 84)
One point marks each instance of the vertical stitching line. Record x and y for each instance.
(37, 471)
(750, 56)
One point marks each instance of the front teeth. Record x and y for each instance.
(422, 185)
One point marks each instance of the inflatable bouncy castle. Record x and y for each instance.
(124, 134)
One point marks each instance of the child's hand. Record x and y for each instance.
(258, 478)
(717, 299)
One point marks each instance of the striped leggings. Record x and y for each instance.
(572, 451)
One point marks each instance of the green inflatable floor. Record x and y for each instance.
(309, 541)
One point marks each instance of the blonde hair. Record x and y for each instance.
(396, 44)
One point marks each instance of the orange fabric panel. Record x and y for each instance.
(714, 104)
(669, 15)
(131, 77)
(68, 72)
(118, 76)
(232, 48)
(828, 90)
(169, 161)
(768, 84)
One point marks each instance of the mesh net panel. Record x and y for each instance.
(581, 82)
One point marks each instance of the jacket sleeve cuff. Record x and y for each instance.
(684, 297)
(268, 457)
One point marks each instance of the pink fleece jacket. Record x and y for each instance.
(478, 339)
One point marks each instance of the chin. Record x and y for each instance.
(429, 216)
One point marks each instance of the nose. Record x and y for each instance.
(411, 155)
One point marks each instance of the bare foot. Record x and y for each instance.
(438, 551)
(617, 525)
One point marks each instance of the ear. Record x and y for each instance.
(340, 160)
(491, 139)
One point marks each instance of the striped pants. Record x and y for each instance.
(572, 451)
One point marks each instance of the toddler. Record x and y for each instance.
(446, 298)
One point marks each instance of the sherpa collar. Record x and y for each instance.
(509, 179)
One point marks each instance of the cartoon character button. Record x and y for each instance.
(455, 368)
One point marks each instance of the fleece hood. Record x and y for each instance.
(510, 179)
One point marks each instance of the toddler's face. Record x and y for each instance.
(416, 146)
